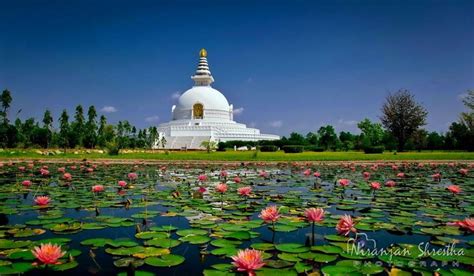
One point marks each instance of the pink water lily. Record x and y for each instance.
(317, 174)
(463, 172)
(48, 254)
(122, 184)
(202, 177)
(455, 189)
(67, 176)
(307, 172)
(244, 191)
(344, 182)
(366, 175)
(270, 214)
(345, 225)
(248, 260)
(436, 177)
(97, 188)
(42, 200)
(375, 185)
(314, 214)
(467, 223)
(132, 176)
(26, 183)
(400, 175)
(237, 179)
(221, 188)
(390, 183)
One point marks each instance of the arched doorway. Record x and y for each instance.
(198, 111)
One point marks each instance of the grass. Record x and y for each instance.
(246, 156)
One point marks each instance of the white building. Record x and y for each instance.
(204, 114)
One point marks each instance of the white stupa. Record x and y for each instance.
(204, 114)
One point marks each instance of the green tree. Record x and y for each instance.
(296, 139)
(101, 141)
(402, 116)
(434, 141)
(420, 139)
(77, 128)
(6, 99)
(209, 145)
(312, 138)
(372, 133)
(90, 135)
(327, 137)
(348, 140)
(48, 126)
(64, 130)
(467, 119)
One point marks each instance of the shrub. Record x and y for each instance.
(292, 149)
(221, 146)
(113, 148)
(268, 148)
(314, 148)
(374, 149)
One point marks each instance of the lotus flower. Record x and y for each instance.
(395, 167)
(202, 177)
(390, 183)
(44, 172)
(132, 176)
(344, 182)
(89, 170)
(237, 179)
(42, 200)
(375, 185)
(248, 260)
(436, 177)
(263, 174)
(463, 172)
(400, 175)
(317, 174)
(307, 172)
(97, 188)
(67, 176)
(122, 184)
(345, 225)
(62, 170)
(467, 223)
(202, 190)
(21, 168)
(48, 253)
(270, 214)
(314, 214)
(221, 188)
(366, 175)
(26, 183)
(224, 173)
(244, 191)
(455, 189)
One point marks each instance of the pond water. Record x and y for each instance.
(171, 220)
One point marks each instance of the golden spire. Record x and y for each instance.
(203, 53)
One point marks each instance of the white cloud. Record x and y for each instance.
(347, 122)
(276, 124)
(108, 109)
(238, 111)
(176, 95)
(152, 119)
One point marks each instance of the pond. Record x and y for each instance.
(190, 219)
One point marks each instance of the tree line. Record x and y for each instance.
(81, 131)
(399, 128)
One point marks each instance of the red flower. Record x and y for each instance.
(97, 188)
(202, 177)
(345, 225)
(270, 214)
(42, 200)
(221, 188)
(467, 223)
(317, 174)
(455, 189)
(436, 177)
(132, 176)
(463, 172)
(244, 191)
(26, 183)
(390, 183)
(48, 253)
(237, 179)
(314, 214)
(307, 172)
(248, 260)
(67, 176)
(401, 175)
(344, 182)
(122, 183)
(375, 185)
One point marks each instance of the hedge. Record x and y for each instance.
(292, 149)
(374, 149)
(268, 148)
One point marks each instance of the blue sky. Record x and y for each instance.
(288, 65)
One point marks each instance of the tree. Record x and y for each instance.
(90, 135)
(402, 116)
(420, 139)
(163, 142)
(64, 130)
(372, 133)
(347, 140)
(327, 137)
(48, 126)
(467, 119)
(101, 131)
(209, 145)
(296, 139)
(6, 99)
(77, 128)
(312, 138)
(434, 141)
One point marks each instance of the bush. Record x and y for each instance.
(221, 146)
(268, 148)
(374, 149)
(113, 148)
(314, 148)
(292, 149)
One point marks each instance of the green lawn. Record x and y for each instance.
(247, 156)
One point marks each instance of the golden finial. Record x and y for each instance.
(203, 53)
